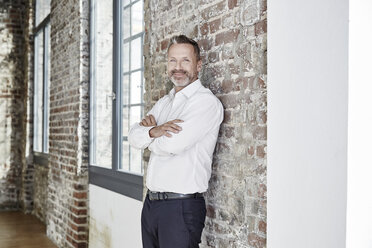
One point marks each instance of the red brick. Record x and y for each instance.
(213, 11)
(79, 220)
(229, 101)
(261, 27)
(215, 25)
(164, 44)
(80, 195)
(260, 133)
(213, 57)
(204, 30)
(227, 86)
(256, 241)
(205, 44)
(78, 211)
(77, 228)
(260, 151)
(211, 212)
(227, 116)
(232, 4)
(227, 37)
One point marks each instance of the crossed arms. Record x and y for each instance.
(175, 136)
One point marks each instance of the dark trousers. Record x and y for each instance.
(176, 223)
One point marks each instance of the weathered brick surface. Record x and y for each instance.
(15, 174)
(66, 217)
(40, 190)
(232, 37)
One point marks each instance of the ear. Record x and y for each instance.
(199, 65)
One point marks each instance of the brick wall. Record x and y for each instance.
(67, 214)
(28, 171)
(232, 36)
(40, 192)
(15, 175)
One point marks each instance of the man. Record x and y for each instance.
(181, 132)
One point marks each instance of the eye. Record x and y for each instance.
(172, 60)
(186, 60)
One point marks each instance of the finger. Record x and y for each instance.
(168, 134)
(152, 120)
(175, 121)
(147, 118)
(175, 126)
(144, 122)
(169, 128)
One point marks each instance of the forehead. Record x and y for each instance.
(181, 50)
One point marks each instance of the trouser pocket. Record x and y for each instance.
(193, 212)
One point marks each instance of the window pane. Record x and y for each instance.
(125, 122)
(38, 92)
(42, 10)
(126, 2)
(126, 23)
(125, 157)
(47, 85)
(135, 160)
(102, 80)
(135, 114)
(125, 90)
(136, 54)
(137, 17)
(126, 57)
(135, 88)
(135, 154)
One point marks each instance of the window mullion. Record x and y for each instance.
(130, 80)
(43, 96)
(92, 131)
(45, 88)
(36, 88)
(117, 110)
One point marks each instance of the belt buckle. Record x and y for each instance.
(162, 196)
(157, 196)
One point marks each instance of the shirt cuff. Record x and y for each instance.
(146, 133)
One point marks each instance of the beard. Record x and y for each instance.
(182, 82)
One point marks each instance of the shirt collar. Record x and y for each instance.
(189, 90)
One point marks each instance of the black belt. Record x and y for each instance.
(169, 195)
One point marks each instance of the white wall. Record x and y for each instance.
(359, 208)
(307, 123)
(115, 220)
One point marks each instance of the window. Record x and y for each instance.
(41, 76)
(132, 81)
(116, 101)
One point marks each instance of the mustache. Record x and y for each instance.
(178, 71)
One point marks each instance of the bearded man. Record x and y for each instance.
(181, 132)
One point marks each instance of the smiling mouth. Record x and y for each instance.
(178, 74)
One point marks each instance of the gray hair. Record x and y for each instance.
(183, 39)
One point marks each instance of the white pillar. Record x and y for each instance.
(307, 123)
(359, 207)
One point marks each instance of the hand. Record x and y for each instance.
(148, 121)
(164, 129)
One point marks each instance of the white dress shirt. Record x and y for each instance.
(181, 163)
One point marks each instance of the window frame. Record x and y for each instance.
(113, 179)
(41, 157)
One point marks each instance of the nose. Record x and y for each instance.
(178, 65)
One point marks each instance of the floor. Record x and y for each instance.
(22, 231)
